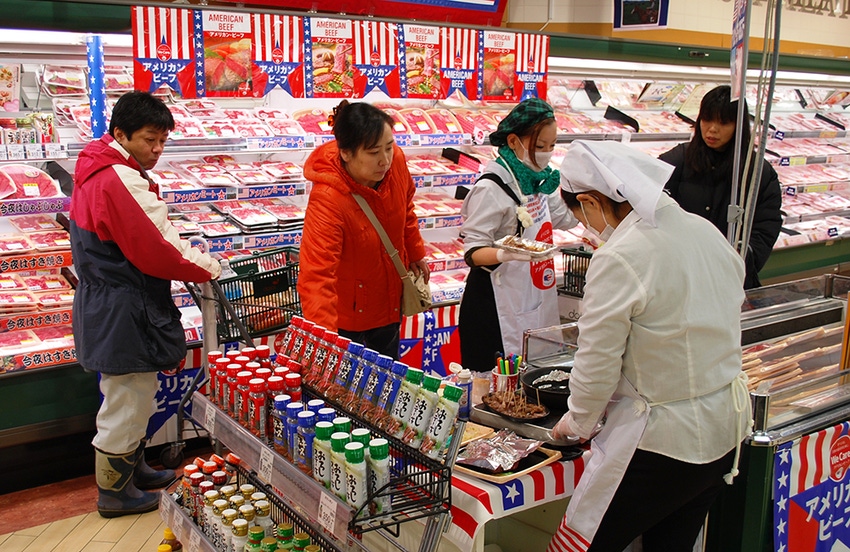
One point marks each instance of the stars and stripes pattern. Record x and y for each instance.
(283, 33)
(459, 48)
(375, 43)
(811, 507)
(97, 89)
(532, 53)
(153, 27)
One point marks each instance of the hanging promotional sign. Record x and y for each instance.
(737, 55)
(532, 64)
(640, 14)
(164, 50)
(459, 62)
(468, 12)
(498, 59)
(376, 55)
(227, 59)
(328, 58)
(278, 54)
(811, 496)
(421, 76)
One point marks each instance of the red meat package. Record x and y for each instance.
(285, 212)
(418, 121)
(285, 127)
(252, 216)
(35, 223)
(283, 170)
(50, 241)
(14, 244)
(19, 300)
(62, 333)
(313, 121)
(55, 299)
(444, 121)
(46, 282)
(29, 182)
(20, 340)
(216, 229)
(10, 282)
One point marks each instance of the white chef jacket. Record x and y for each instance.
(490, 214)
(662, 305)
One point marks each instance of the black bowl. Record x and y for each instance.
(553, 395)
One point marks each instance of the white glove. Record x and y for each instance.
(564, 429)
(504, 256)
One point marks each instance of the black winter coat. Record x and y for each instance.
(709, 194)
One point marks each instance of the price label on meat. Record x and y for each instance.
(228, 38)
(266, 464)
(327, 512)
(329, 58)
(209, 419)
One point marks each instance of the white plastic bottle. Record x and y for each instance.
(442, 423)
(356, 484)
(379, 474)
(337, 477)
(239, 535)
(420, 414)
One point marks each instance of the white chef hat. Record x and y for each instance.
(618, 171)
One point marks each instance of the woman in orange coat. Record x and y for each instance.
(347, 280)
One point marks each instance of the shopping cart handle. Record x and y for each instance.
(200, 243)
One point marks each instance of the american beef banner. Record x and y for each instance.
(640, 14)
(430, 340)
(811, 505)
(278, 54)
(227, 59)
(421, 55)
(468, 12)
(164, 50)
(498, 60)
(328, 57)
(97, 90)
(459, 62)
(532, 55)
(376, 55)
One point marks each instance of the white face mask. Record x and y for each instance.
(605, 235)
(543, 157)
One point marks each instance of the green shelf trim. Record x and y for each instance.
(65, 16)
(47, 394)
(791, 260)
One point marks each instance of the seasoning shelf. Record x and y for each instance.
(182, 525)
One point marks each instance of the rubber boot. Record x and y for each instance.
(145, 477)
(117, 495)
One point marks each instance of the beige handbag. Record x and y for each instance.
(416, 294)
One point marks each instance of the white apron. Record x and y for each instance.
(611, 451)
(522, 290)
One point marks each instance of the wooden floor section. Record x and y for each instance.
(89, 533)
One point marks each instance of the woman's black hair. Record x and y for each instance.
(135, 110)
(358, 125)
(717, 105)
(570, 198)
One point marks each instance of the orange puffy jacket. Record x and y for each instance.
(347, 280)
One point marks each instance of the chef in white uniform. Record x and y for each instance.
(658, 360)
(507, 293)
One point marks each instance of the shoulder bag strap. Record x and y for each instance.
(507, 189)
(388, 245)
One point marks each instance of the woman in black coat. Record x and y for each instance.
(702, 181)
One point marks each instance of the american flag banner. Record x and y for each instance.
(430, 339)
(459, 62)
(164, 50)
(532, 54)
(420, 52)
(497, 77)
(278, 54)
(811, 506)
(475, 501)
(328, 58)
(376, 58)
(97, 90)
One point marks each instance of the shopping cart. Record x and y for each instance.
(259, 297)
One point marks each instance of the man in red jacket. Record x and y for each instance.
(126, 326)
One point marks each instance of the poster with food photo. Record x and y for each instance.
(10, 87)
(329, 58)
(459, 62)
(228, 59)
(376, 65)
(498, 75)
(278, 54)
(164, 53)
(532, 54)
(421, 76)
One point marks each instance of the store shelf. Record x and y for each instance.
(11, 207)
(301, 491)
(182, 525)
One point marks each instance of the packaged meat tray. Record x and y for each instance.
(55, 240)
(418, 121)
(283, 170)
(270, 113)
(29, 182)
(15, 244)
(164, 175)
(17, 341)
(229, 204)
(252, 128)
(60, 80)
(532, 248)
(178, 185)
(252, 217)
(56, 335)
(46, 282)
(185, 227)
(444, 122)
(400, 125)
(183, 208)
(425, 165)
(11, 281)
(473, 122)
(252, 177)
(16, 300)
(187, 128)
(285, 212)
(235, 166)
(35, 223)
(287, 127)
(219, 159)
(201, 217)
(220, 129)
(55, 299)
(117, 81)
(215, 180)
(313, 121)
(239, 114)
(218, 229)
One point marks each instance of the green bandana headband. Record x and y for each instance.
(524, 116)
